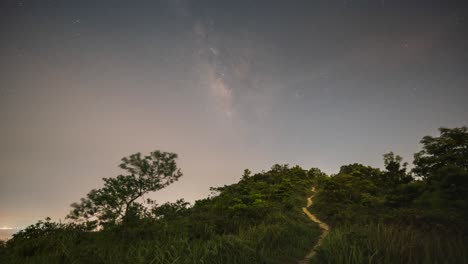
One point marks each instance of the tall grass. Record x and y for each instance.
(380, 243)
(265, 243)
(258, 220)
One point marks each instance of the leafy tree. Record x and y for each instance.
(443, 166)
(319, 177)
(449, 149)
(279, 167)
(171, 210)
(361, 171)
(395, 181)
(117, 200)
(246, 175)
(395, 173)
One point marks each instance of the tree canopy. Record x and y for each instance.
(374, 214)
(450, 149)
(118, 199)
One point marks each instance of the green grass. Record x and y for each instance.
(258, 220)
(285, 241)
(379, 243)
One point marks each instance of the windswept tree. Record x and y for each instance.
(118, 200)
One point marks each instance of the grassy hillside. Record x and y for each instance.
(399, 216)
(394, 215)
(258, 220)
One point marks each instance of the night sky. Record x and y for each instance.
(227, 85)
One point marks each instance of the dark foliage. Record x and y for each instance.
(257, 220)
(377, 216)
(391, 216)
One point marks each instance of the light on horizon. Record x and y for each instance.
(8, 228)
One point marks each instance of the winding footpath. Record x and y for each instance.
(325, 228)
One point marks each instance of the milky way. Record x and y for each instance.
(227, 85)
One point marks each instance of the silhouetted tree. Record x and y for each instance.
(443, 163)
(246, 175)
(395, 173)
(450, 149)
(117, 200)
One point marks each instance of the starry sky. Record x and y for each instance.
(227, 85)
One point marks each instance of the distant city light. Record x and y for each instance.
(8, 228)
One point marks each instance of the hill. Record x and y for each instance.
(257, 220)
(367, 215)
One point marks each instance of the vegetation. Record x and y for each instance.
(400, 216)
(382, 243)
(118, 199)
(257, 220)
(394, 215)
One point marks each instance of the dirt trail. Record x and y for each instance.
(321, 224)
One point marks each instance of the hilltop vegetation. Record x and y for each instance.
(257, 220)
(396, 215)
(393, 215)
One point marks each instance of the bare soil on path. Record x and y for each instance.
(325, 228)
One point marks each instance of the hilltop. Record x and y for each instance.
(367, 215)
